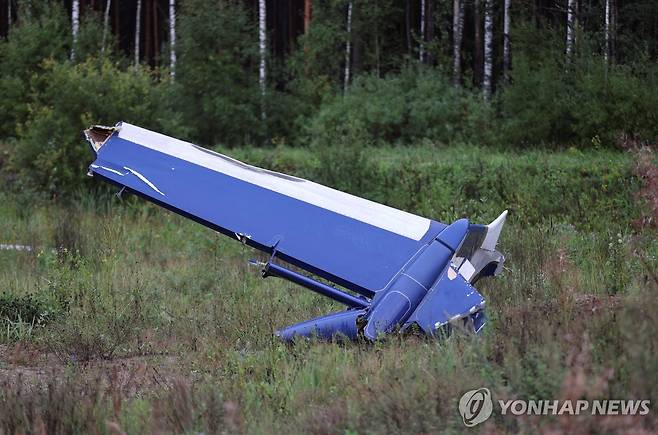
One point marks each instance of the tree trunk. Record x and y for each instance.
(407, 25)
(487, 83)
(156, 33)
(148, 33)
(429, 58)
(606, 52)
(106, 22)
(571, 29)
(507, 49)
(116, 27)
(477, 32)
(348, 47)
(172, 39)
(8, 16)
(457, 32)
(75, 25)
(138, 25)
(613, 29)
(262, 50)
(610, 21)
(308, 11)
(421, 51)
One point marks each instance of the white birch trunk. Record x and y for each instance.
(262, 49)
(75, 25)
(606, 53)
(457, 32)
(571, 29)
(613, 29)
(106, 22)
(172, 39)
(8, 16)
(348, 47)
(507, 48)
(487, 82)
(421, 52)
(138, 26)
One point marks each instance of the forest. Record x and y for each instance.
(118, 317)
(548, 74)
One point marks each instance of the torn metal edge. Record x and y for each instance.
(97, 135)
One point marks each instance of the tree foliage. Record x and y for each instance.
(46, 99)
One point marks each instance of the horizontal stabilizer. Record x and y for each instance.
(451, 298)
(330, 326)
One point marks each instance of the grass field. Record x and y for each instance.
(128, 318)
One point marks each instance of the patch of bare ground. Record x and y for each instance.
(28, 368)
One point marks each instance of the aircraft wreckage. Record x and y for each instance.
(395, 271)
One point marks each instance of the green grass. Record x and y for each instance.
(135, 319)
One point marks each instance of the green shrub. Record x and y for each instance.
(582, 104)
(50, 154)
(414, 105)
(43, 33)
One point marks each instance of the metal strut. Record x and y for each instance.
(271, 269)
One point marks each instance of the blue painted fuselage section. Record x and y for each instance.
(351, 253)
(402, 281)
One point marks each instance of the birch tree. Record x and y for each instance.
(507, 53)
(348, 47)
(75, 25)
(571, 29)
(172, 39)
(613, 28)
(606, 53)
(610, 30)
(421, 51)
(457, 32)
(106, 21)
(8, 16)
(138, 25)
(262, 50)
(487, 82)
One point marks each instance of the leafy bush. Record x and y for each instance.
(43, 33)
(582, 104)
(416, 104)
(25, 308)
(50, 154)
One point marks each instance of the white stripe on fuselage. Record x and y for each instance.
(370, 212)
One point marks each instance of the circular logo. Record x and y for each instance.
(475, 406)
